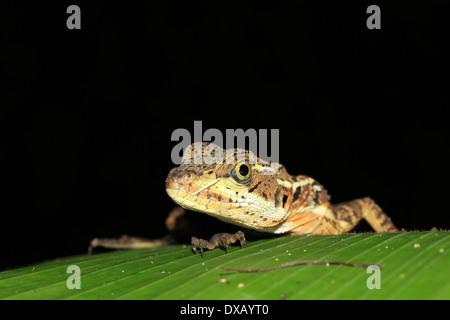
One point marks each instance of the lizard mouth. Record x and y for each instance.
(209, 198)
(208, 203)
(236, 212)
(223, 199)
(232, 211)
(205, 196)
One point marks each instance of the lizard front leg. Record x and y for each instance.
(349, 214)
(219, 240)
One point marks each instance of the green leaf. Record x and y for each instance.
(414, 266)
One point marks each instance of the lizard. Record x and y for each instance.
(249, 192)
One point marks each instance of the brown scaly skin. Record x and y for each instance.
(248, 192)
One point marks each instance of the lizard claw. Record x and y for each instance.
(194, 242)
(219, 240)
(223, 242)
(241, 237)
(226, 247)
(201, 250)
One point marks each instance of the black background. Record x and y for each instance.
(86, 115)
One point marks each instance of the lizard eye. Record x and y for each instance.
(242, 172)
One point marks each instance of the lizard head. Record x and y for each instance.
(233, 185)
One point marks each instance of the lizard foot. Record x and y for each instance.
(219, 240)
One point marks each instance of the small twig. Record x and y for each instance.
(298, 263)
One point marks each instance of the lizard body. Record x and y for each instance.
(247, 191)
